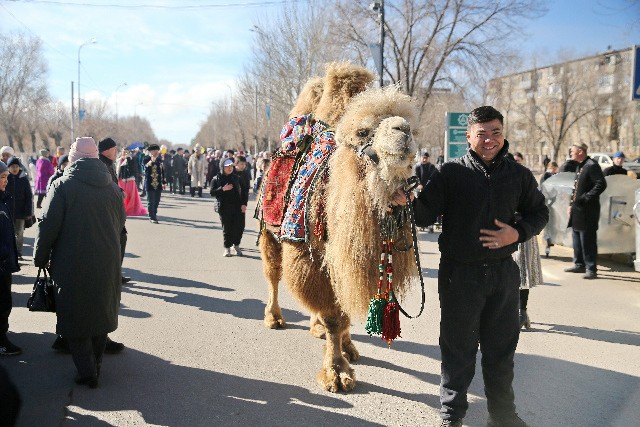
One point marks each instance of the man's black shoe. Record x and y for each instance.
(575, 269)
(7, 348)
(113, 347)
(505, 421)
(590, 275)
(91, 382)
(60, 344)
(126, 279)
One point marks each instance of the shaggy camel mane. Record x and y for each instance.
(354, 206)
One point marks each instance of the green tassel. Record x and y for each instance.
(375, 315)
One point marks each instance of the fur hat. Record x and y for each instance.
(14, 161)
(3, 167)
(6, 149)
(106, 144)
(84, 147)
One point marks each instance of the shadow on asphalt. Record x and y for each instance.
(616, 337)
(149, 390)
(244, 309)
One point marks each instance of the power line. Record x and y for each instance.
(158, 6)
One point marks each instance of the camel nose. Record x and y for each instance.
(400, 124)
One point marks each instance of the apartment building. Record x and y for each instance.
(580, 100)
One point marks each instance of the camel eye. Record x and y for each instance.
(362, 133)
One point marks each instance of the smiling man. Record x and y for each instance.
(489, 204)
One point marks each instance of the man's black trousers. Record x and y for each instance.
(478, 305)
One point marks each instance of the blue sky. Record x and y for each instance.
(177, 61)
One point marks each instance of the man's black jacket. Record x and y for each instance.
(471, 195)
(585, 205)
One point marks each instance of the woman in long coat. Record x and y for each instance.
(79, 233)
(197, 168)
(44, 170)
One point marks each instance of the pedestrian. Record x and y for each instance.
(584, 212)
(79, 236)
(213, 166)
(63, 162)
(56, 158)
(197, 169)
(527, 256)
(153, 179)
(552, 169)
(125, 171)
(228, 191)
(616, 168)
(8, 263)
(179, 166)
(187, 177)
(569, 165)
(6, 152)
(10, 401)
(22, 201)
(167, 167)
(478, 195)
(44, 170)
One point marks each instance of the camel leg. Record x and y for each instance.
(349, 350)
(316, 328)
(336, 373)
(271, 254)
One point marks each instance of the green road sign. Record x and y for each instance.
(457, 135)
(457, 150)
(458, 120)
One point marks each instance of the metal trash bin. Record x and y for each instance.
(636, 213)
(616, 228)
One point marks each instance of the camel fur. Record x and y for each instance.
(327, 98)
(335, 278)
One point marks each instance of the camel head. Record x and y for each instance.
(376, 125)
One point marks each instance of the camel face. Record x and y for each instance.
(394, 146)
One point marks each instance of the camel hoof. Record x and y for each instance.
(273, 322)
(350, 352)
(335, 379)
(317, 330)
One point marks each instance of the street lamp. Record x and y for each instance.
(119, 86)
(378, 7)
(92, 41)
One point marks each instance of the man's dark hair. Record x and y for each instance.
(241, 159)
(484, 114)
(180, 148)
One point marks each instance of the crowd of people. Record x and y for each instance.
(481, 268)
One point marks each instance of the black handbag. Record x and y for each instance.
(43, 295)
(29, 221)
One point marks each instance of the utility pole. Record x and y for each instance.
(73, 117)
(256, 119)
(381, 43)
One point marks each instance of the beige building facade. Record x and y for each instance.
(585, 100)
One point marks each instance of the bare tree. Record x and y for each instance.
(22, 84)
(435, 44)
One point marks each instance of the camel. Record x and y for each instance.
(343, 82)
(334, 273)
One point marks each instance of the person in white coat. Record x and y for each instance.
(197, 168)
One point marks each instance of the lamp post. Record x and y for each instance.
(92, 41)
(378, 7)
(119, 86)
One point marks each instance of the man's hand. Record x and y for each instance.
(399, 199)
(243, 208)
(496, 239)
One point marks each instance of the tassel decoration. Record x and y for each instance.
(391, 320)
(375, 315)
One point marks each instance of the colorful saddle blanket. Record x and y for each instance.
(306, 146)
(295, 226)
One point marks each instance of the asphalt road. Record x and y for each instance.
(198, 354)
